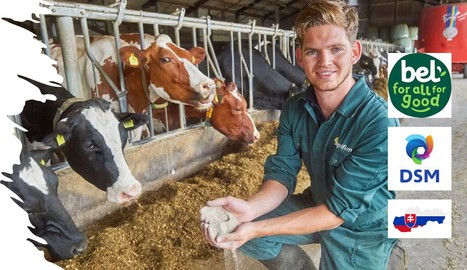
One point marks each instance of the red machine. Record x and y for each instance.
(443, 29)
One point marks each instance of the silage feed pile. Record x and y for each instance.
(161, 230)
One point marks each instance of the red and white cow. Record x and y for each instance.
(228, 115)
(170, 71)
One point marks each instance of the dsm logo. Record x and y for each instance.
(419, 158)
(419, 148)
(417, 142)
(419, 85)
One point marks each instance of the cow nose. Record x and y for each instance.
(256, 136)
(129, 193)
(82, 246)
(207, 87)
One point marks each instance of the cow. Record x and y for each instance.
(228, 114)
(170, 71)
(91, 135)
(293, 73)
(366, 67)
(270, 88)
(36, 185)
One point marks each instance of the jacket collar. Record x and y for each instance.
(352, 102)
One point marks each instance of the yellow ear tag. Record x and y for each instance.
(216, 99)
(42, 162)
(60, 139)
(193, 59)
(128, 124)
(209, 113)
(133, 60)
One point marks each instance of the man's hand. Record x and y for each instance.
(242, 210)
(220, 217)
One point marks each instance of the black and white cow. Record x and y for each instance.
(366, 67)
(270, 88)
(36, 186)
(94, 135)
(293, 73)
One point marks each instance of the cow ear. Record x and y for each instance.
(197, 55)
(133, 57)
(60, 136)
(131, 121)
(42, 156)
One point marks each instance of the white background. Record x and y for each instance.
(21, 54)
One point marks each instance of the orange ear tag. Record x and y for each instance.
(133, 60)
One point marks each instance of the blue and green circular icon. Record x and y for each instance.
(419, 85)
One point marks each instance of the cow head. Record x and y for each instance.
(230, 115)
(37, 186)
(93, 138)
(172, 72)
(365, 66)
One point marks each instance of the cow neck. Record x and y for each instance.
(207, 122)
(65, 105)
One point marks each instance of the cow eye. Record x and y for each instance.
(165, 60)
(91, 146)
(52, 227)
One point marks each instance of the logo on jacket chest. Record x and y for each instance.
(342, 146)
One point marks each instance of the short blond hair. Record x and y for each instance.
(324, 12)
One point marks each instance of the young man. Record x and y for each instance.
(338, 129)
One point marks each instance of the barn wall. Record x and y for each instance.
(152, 163)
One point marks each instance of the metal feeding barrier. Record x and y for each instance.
(112, 19)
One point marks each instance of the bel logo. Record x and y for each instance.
(419, 85)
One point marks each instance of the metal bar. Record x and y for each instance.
(250, 74)
(106, 13)
(294, 57)
(87, 45)
(210, 52)
(44, 34)
(121, 95)
(179, 25)
(232, 56)
(205, 42)
(274, 46)
(66, 33)
(144, 80)
(156, 29)
(265, 49)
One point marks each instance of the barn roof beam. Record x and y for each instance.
(267, 15)
(196, 6)
(241, 10)
(149, 4)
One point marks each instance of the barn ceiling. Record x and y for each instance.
(265, 12)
